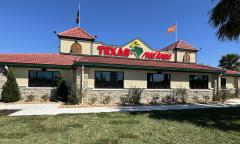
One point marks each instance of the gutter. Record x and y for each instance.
(36, 65)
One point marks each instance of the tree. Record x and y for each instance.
(62, 91)
(10, 91)
(230, 62)
(225, 16)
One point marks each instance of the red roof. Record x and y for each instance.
(231, 72)
(69, 60)
(77, 33)
(47, 59)
(180, 45)
(144, 63)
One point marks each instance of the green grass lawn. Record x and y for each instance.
(214, 126)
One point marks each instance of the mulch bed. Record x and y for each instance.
(7, 112)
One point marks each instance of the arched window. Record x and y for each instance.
(76, 48)
(186, 58)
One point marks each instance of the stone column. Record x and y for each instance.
(216, 82)
(3, 79)
(236, 86)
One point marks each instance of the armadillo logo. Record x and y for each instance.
(136, 49)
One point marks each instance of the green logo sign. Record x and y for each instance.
(136, 49)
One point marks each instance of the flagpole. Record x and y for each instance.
(176, 33)
(79, 13)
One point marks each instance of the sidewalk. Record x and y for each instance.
(53, 109)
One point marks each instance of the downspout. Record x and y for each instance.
(91, 49)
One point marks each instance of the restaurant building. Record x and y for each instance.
(111, 70)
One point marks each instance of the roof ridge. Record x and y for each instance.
(86, 32)
(76, 32)
(178, 43)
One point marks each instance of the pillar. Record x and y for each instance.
(236, 86)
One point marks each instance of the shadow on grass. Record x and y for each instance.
(7, 112)
(221, 118)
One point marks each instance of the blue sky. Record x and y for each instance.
(26, 26)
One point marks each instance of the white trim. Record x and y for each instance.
(46, 88)
(104, 89)
(159, 89)
(200, 90)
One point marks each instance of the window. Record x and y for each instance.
(158, 81)
(223, 83)
(109, 79)
(76, 48)
(186, 58)
(43, 78)
(198, 81)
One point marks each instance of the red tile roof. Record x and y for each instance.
(77, 33)
(46, 59)
(231, 72)
(144, 63)
(69, 60)
(180, 45)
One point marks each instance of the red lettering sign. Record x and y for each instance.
(126, 52)
(114, 51)
(156, 55)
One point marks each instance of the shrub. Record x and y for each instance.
(10, 91)
(30, 98)
(222, 95)
(154, 100)
(123, 100)
(92, 100)
(106, 100)
(195, 99)
(206, 98)
(181, 95)
(133, 96)
(62, 92)
(45, 97)
(73, 99)
(169, 99)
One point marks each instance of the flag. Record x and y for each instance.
(77, 18)
(78, 14)
(172, 28)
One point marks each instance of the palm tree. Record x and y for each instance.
(225, 16)
(230, 62)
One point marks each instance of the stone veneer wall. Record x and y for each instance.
(147, 95)
(3, 79)
(38, 93)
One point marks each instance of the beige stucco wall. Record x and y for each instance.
(230, 82)
(89, 48)
(65, 46)
(181, 53)
(138, 78)
(22, 75)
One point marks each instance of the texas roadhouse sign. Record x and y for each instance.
(134, 49)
